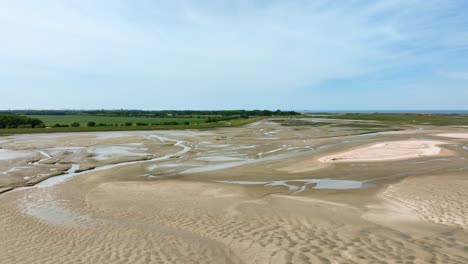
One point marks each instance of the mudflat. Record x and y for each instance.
(269, 192)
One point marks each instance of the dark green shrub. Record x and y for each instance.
(170, 123)
(13, 121)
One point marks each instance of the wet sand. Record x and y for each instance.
(254, 194)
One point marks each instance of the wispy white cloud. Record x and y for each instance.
(165, 48)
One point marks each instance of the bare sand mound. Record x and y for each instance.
(394, 150)
(454, 135)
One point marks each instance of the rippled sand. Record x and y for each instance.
(187, 203)
(441, 199)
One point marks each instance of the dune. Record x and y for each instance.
(394, 150)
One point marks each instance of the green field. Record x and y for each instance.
(406, 119)
(199, 126)
(50, 120)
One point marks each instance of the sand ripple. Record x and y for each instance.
(438, 199)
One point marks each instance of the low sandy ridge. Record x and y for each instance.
(454, 135)
(393, 150)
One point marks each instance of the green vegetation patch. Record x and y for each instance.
(361, 125)
(18, 121)
(50, 121)
(408, 119)
(60, 129)
(299, 122)
(83, 120)
(158, 113)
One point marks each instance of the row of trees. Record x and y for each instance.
(74, 124)
(224, 118)
(168, 123)
(161, 113)
(18, 121)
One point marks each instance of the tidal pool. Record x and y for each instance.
(6, 154)
(51, 212)
(108, 152)
(300, 185)
(60, 178)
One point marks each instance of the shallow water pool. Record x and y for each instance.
(299, 185)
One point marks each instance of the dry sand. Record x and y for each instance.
(154, 211)
(393, 150)
(454, 135)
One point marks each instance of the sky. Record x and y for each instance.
(237, 54)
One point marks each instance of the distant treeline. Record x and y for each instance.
(161, 113)
(17, 121)
(167, 123)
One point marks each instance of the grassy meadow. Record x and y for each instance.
(200, 126)
(50, 120)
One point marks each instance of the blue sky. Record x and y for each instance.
(319, 55)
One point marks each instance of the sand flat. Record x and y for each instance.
(439, 199)
(454, 135)
(393, 150)
(288, 207)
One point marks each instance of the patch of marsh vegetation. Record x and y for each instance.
(404, 119)
(299, 122)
